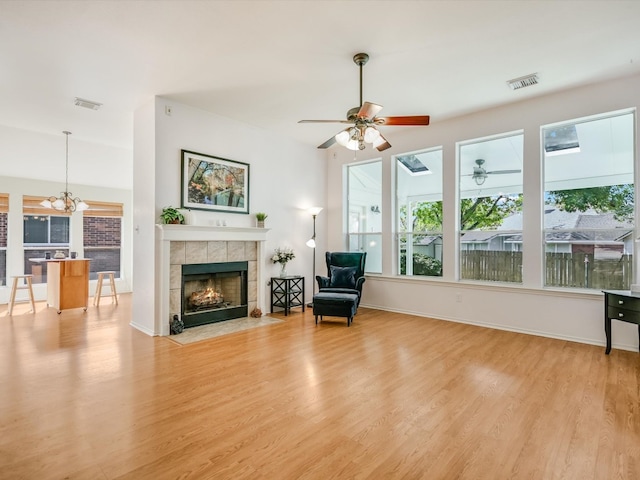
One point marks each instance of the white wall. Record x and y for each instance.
(286, 178)
(528, 308)
(41, 156)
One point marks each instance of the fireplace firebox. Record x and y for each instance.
(213, 292)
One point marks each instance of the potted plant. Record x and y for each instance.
(261, 217)
(171, 215)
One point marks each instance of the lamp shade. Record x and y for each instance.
(311, 243)
(342, 138)
(371, 135)
(315, 210)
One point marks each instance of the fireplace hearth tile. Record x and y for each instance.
(175, 276)
(176, 253)
(252, 274)
(252, 291)
(217, 251)
(196, 252)
(175, 301)
(235, 251)
(251, 250)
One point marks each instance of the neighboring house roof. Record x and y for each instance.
(594, 227)
(426, 240)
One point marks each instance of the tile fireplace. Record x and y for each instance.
(195, 245)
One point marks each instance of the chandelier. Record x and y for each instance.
(65, 202)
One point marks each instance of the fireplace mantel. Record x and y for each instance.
(166, 234)
(194, 233)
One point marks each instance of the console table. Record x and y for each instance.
(623, 305)
(287, 292)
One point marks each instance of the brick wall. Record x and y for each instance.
(102, 231)
(3, 229)
(101, 236)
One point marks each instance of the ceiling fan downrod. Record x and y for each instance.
(361, 60)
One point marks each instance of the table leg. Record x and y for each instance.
(607, 332)
(36, 270)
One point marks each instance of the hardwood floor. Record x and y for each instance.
(85, 396)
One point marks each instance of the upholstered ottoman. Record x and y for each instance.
(335, 305)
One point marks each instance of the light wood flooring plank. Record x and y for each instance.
(84, 395)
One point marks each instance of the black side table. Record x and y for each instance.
(287, 292)
(623, 305)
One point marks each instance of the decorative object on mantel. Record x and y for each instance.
(171, 215)
(256, 313)
(214, 183)
(59, 254)
(282, 256)
(260, 218)
(65, 202)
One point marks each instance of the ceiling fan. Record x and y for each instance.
(480, 174)
(364, 121)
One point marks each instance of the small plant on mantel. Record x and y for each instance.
(171, 215)
(261, 217)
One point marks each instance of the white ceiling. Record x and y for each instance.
(272, 63)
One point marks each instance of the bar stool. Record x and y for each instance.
(26, 286)
(112, 284)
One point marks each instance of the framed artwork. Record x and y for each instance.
(213, 183)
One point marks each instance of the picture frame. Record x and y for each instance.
(214, 184)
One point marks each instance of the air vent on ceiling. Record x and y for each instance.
(521, 82)
(81, 102)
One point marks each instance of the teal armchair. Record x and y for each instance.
(345, 273)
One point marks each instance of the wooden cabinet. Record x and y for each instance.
(620, 305)
(68, 284)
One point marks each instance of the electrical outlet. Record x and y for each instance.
(167, 110)
(458, 298)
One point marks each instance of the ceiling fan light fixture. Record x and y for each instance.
(479, 179)
(371, 135)
(354, 145)
(343, 138)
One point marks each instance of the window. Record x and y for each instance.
(364, 212)
(589, 202)
(4, 210)
(102, 236)
(42, 233)
(44, 230)
(490, 187)
(419, 212)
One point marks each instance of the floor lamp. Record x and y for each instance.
(314, 211)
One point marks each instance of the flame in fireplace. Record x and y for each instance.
(208, 296)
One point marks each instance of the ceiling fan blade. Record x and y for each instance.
(324, 121)
(382, 144)
(500, 172)
(416, 120)
(328, 143)
(368, 110)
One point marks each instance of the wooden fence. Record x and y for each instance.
(561, 269)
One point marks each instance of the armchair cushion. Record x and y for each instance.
(342, 277)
